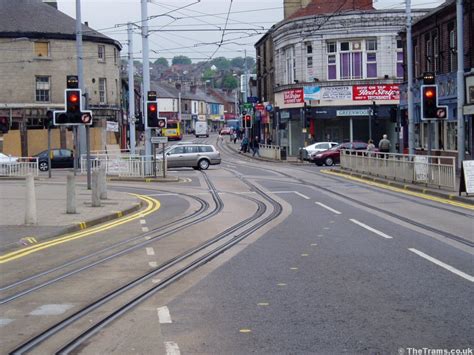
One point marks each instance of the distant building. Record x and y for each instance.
(37, 52)
(330, 68)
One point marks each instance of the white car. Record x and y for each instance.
(317, 148)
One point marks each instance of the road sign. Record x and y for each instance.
(159, 140)
(248, 106)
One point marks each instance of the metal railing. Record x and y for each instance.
(432, 171)
(270, 151)
(19, 166)
(122, 165)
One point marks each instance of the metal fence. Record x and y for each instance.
(432, 171)
(19, 166)
(270, 151)
(123, 165)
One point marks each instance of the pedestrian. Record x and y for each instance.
(370, 147)
(384, 145)
(255, 146)
(220, 137)
(244, 145)
(269, 141)
(234, 136)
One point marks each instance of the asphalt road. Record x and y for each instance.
(364, 271)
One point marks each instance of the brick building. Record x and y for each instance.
(435, 50)
(37, 52)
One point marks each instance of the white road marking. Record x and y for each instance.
(164, 194)
(150, 251)
(443, 265)
(142, 221)
(5, 321)
(153, 264)
(51, 309)
(164, 315)
(290, 192)
(148, 238)
(370, 228)
(145, 229)
(172, 348)
(327, 207)
(155, 281)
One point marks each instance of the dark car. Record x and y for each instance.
(60, 158)
(332, 156)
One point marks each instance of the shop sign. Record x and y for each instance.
(294, 96)
(376, 92)
(312, 93)
(350, 113)
(112, 126)
(260, 107)
(336, 93)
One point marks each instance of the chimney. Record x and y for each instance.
(193, 89)
(52, 3)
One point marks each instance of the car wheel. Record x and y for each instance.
(329, 161)
(43, 166)
(319, 163)
(203, 164)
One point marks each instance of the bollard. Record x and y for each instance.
(95, 189)
(71, 194)
(103, 183)
(30, 211)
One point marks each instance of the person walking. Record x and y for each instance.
(256, 146)
(244, 145)
(384, 145)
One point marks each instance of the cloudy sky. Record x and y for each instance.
(195, 28)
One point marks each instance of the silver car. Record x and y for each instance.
(196, 156)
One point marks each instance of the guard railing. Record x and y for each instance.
(431, 171)
(123, 165)
(19, 166)
(270, 151)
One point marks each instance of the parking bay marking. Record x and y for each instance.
(172, 348)
(373, 230)
(328, 208)
(164, 315)
(443, 265)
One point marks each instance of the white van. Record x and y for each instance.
(201, 129)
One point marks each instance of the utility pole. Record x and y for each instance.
(146, 74)
(131, 90)
(411, 113)
(83, 133)
(460, 81)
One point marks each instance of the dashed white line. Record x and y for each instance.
(150, 251)
(327, 207)
(373, 230)
(172, 348)
(153, 264)
(145, 229)
(164, 315)
(291, 192)
(443, 265)
(142, 221)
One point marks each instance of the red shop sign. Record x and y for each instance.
(294, 96)
(376, 92)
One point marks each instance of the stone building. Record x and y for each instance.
(37, 52)
(332, 71)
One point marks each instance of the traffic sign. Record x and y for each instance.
(159, 140)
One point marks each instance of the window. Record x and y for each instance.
(205, 149)
(350, 66)
(452, 48)
(290, 67)
(309, 62)
(371, 45)
(177, 150)
(102, 90)
(428, 53)
(331, 47)
(332, 67)
(400, 71)
(42, 49)
(115, 56)
(344, 46)
(435, 53)
(371, 65)
(192, 149)
(417, 58)
(309, 49)
(42, 89)
(185, 107)
(101, 53)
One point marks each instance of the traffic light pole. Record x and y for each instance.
(411, 115)
(460, 81)
(131, 90)
(146, 76)
(49, 150)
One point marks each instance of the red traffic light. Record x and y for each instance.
(73, 97)
(429, 93)
(248, 117)
(152, 107)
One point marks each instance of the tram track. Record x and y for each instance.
(192, 259)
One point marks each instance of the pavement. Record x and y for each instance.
(52, 219)
(422, 190)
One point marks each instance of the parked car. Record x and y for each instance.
(7, 163)
(196, 156)
(332, 156)
(316, 148)
(60, 158)
(225, 131)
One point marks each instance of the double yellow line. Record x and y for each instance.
(403, 191)
(152, 206)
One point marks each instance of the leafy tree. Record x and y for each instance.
(181, 59)
(229, 82)
(237, 62)
(221, 63)
(162, 62)
(208, 74)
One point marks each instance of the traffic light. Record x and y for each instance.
(429, 104)
(73, 101)
(375, 110)
(307, 115)
(152, 114)
(74, 115)
(247, 121)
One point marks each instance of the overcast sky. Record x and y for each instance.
(246, 23)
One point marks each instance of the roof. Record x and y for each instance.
(35, 19)
(320, 7)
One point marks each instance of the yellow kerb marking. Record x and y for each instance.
(119, 214)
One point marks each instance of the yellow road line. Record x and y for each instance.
(404, 190)
(152, 206)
